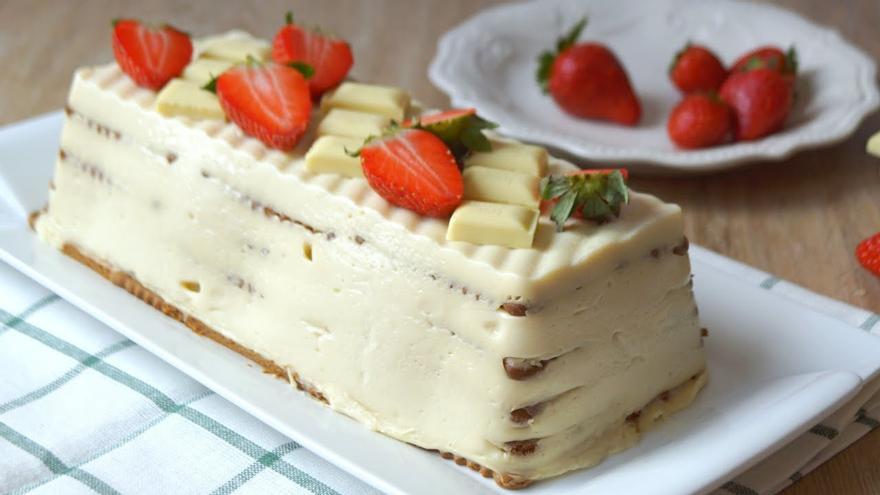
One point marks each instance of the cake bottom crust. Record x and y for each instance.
(661, 406)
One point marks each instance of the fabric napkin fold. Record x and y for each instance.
(83, 410)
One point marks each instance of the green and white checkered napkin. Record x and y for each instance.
(83, 409)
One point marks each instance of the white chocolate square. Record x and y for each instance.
(496, 185)
(237, 49)
(327, 156)
(358, 125)
(382, 100)
(187, 98)
(516, 157)
(200, 71)
(479, 222)
(873, 146)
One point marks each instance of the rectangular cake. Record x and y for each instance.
(523, 362)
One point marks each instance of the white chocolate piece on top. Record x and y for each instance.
(180, 97)
(328, 155)
(501, 186)
(517, 157)
(347, 123)
(873, 146)
(479, 222)
(200, 71)
(370, 98)
(237, 49)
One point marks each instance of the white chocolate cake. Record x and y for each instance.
(524, 362)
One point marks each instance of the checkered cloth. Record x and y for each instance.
(84, 410)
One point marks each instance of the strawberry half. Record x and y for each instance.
(415, 170)
(270, 102)
(330, 57)
(868, 254)
(151, 56)
(461, 130)
(592, 194)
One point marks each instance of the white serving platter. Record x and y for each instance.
(776, 368)
(489, 62)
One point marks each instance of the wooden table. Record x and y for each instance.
(799, 219)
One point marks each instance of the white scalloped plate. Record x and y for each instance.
(489, 62)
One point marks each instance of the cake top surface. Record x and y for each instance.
(645, 222)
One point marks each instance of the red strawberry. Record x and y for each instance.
(696, 68)
(588, 81)
(270, 102)
(868, 253)
(699, 120)
(151, 56)
(414, 169)
(448, 115)
(761, 100)
(768, 57)
(330, 57)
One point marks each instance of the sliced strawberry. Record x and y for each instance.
(591, 194)
(330, 57)
(868, 254)
(270, 102)
(151, 56)
(453, 115)
(414, 169)
(461, 130)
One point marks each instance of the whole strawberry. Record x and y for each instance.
(761, 100)
(268, 101)
(695, 68)
(151, 56)
(769, 57)
(587, 81)
(415, 170)
(699, 120)
(330, 57)
(868, 254)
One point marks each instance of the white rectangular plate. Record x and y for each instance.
(776, 368)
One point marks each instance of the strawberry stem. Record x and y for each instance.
(288, 17)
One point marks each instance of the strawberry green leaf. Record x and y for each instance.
(791, 61)
(596, 209)
(462, 134)
(211, 85)
(563, 209)
(545, 65)
(305, 69)
(571, 38)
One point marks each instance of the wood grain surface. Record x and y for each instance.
(799, 219)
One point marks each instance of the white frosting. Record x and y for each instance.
(360, 304)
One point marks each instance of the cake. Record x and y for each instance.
(489, 335)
